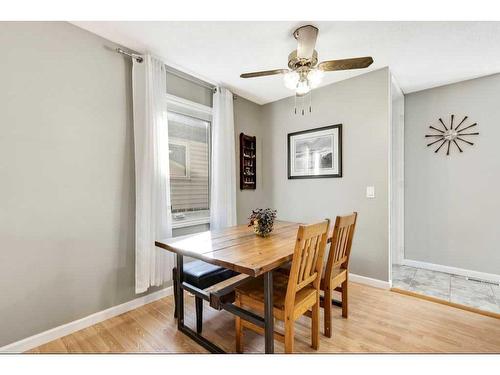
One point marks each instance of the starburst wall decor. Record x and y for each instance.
(451, 135)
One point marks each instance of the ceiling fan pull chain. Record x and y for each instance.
(310, 101)
(295, 105)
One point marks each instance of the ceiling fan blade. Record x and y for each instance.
(346, 64)
(264, 73)
(306, 37)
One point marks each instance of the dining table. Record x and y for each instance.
(240, 249)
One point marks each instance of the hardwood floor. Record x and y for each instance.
(379, 321)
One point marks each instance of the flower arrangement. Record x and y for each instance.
(262, 220)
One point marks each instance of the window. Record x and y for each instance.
(189, 160)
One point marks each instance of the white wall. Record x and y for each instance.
(362, 105)
(451, 202)
(397, 173)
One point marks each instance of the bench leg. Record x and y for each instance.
(199, 314)
(238, 328)
(174, 278)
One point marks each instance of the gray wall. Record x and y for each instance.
(67, 198)
(362, 105)
(248, 120)
(451, 203)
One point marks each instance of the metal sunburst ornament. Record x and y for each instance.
(451, 135)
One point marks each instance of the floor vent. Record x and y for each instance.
(483, 281)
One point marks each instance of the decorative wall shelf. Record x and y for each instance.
(248, 162)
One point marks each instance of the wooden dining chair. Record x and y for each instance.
(336, 274)
(293, 294)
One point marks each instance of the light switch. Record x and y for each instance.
(370, 191)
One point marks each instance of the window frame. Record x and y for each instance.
(201, 112)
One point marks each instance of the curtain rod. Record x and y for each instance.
(137, 58)
(173, 71)
(189, 77)
(234, 95)
(195, 80)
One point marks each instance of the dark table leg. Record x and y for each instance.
(268, 312)
(179, 292)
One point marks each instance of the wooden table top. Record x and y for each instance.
(238, 248)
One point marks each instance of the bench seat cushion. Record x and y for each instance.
(203, 275)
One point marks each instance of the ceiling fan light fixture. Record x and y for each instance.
(303, 87)
(314, 77)
(291, 80)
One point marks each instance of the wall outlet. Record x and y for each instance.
(370, 191)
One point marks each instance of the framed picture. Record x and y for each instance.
(315, 153)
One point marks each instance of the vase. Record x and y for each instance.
(262, 230)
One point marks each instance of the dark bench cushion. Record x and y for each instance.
(203, 275)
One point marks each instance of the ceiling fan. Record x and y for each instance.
(304, 72)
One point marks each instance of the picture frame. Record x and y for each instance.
(315, 153)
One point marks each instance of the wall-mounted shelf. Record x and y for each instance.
(248, 161)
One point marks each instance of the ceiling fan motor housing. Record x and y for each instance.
(295, 62)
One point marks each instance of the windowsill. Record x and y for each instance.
(191, 219)
(190, 223)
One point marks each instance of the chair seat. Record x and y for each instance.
(254, 290)
(203, 275)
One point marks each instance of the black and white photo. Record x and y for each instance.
(315, 153)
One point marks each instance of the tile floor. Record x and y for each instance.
(448, 287)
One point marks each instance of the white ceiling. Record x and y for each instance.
(420, 54)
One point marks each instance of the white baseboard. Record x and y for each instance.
(76, 325)
(453, 270)
(369, 281)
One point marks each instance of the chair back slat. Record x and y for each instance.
(341, 246)
(341, 243)
(303, 259)
(307, 260)
(311, 254)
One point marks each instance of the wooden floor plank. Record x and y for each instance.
(380, 321)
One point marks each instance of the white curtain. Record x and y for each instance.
(223, 187)
(153, 266)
